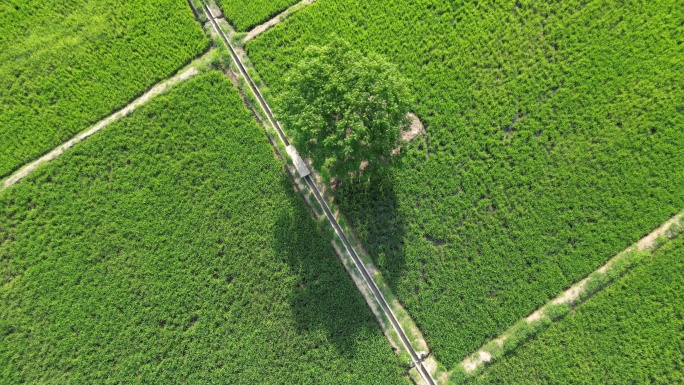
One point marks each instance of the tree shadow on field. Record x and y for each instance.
(372, 210)
(324, 298)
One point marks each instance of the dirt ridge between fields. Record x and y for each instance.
(56, 152)
(259, 29)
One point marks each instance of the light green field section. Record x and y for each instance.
(64, 65)
(631, 333)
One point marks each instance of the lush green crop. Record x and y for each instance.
(64, 65)
(631, 333)
(172, 248)
(247, 14)
(554, 140)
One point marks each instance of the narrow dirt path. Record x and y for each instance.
(154, 91)
(572, 296)
(258, 30)
(359, 267)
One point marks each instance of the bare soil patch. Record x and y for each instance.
(472, 363)
(415, 129)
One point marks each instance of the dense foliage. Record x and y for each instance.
(247, 14)
(554, 140)
(631, 333)
(64, 65)
(344, 110)
(172, 248)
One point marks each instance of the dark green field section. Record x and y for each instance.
(554, 140)
(631, 333)
(64, 65)
(247, 14)
(172, 248)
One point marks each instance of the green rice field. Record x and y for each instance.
(554, 137)
(247, 14)
(64, 65)
(631, 333)
(172, 248)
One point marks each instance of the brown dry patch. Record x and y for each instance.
(415, 128)
(442, 378)
(538, 314)
(471, 363)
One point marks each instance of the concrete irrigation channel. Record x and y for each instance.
(303, 172)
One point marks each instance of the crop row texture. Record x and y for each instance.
(64, 65)
(554, 140)
(247, 14)
(631, 333)
(172, 248)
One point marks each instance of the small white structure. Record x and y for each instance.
(299, 164)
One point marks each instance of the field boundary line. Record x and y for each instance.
(157, 89)
(408, 324)
(259, 29)
(417, 361)
(557, 308)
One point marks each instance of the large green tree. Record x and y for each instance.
(345, 110)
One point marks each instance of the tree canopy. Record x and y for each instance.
(345, 110)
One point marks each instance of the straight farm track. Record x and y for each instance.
(417, 360)
(555, 310)
(156, 90)
(630, 333)
(261, 28)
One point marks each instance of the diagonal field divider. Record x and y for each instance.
(417, 361)
(258, 30)
(558, 307)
